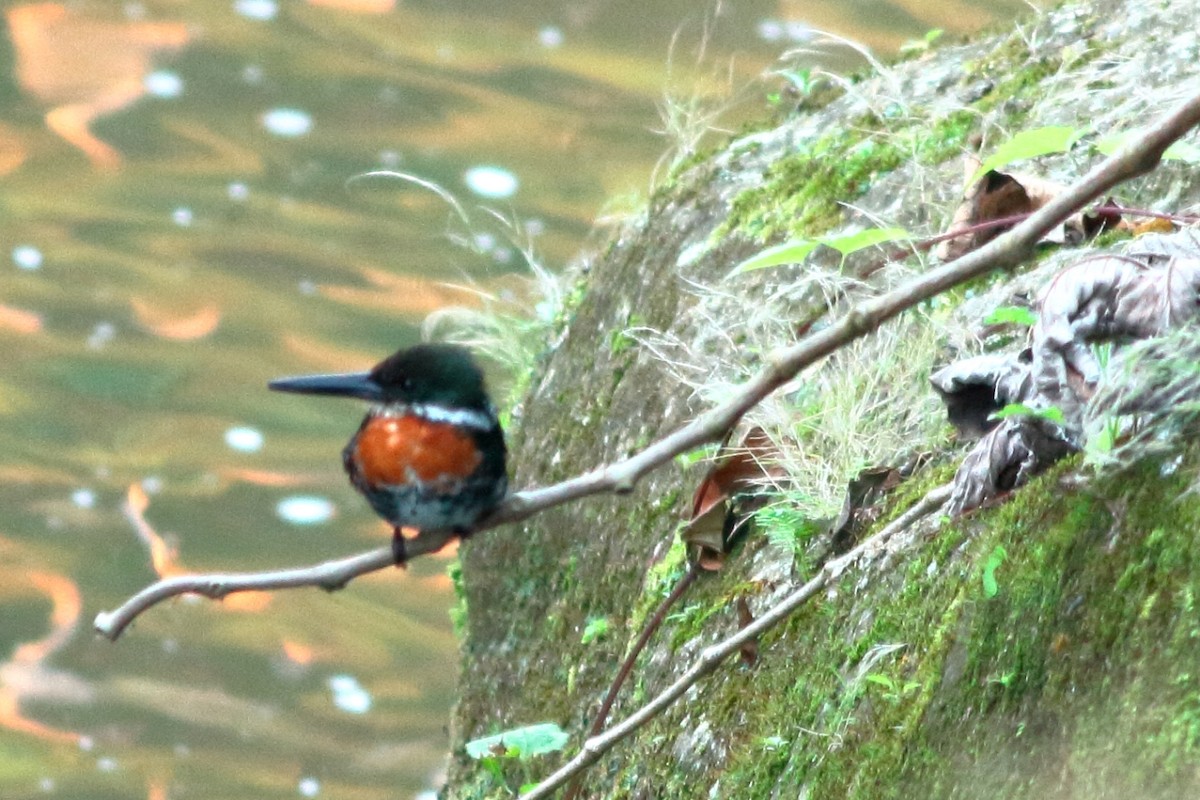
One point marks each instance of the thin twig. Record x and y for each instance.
(652, 625)
(711, 657)
(1136, 157)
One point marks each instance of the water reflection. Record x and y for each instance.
(27, 676)
(184, 218)
(79, 84)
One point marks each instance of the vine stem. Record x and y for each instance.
(1137, 157)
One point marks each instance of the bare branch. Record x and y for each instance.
(711, 657)
(330, 576)
(1137, 157)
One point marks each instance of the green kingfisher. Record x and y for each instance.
(430, 452)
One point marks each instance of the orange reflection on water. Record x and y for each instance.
(19, 320)
(266, 477)
(84, 68)
(184, 328)
(156, 789)
(25, 673)
(297, 653)
(406, 294)
(164, 558)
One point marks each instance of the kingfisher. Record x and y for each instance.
(430, 452)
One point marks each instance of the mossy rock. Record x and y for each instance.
(1069, 673)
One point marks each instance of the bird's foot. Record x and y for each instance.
(399, 551)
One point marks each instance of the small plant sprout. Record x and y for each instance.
(522, 743)
(799, 79)
(915, 46)
(772, 743)
(893, 690)
(991, 587)
(595, 629)
(1101, 443)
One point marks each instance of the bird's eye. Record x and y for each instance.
(406, 384)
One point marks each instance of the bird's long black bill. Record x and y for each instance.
(355, 384)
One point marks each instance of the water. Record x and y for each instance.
(182, 221)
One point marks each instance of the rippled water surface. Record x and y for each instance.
(185, 213)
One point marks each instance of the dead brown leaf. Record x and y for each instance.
(735, 470)
(1000, 195)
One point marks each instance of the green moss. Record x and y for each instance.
(945, 138)
(799, 195)
(1082, 653)
(802, 194)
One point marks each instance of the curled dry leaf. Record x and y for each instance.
(974, 389)
(1103, 299)
(1107, 298)
(1004, 459)
(1000, 196)
(735, 470)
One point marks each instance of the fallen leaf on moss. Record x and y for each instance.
(735, 470)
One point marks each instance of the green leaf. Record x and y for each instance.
(883, 680)
(790, 252)
(1052, 413)
(1182, 151)
(595, 628)
(990, 587)
(853, 242)
(796, 250)
(523, 743)
(492, 765)
(800, 79)
(1029, 144)
(1017, 315)
(922, 44)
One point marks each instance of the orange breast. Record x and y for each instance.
(395, 450)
